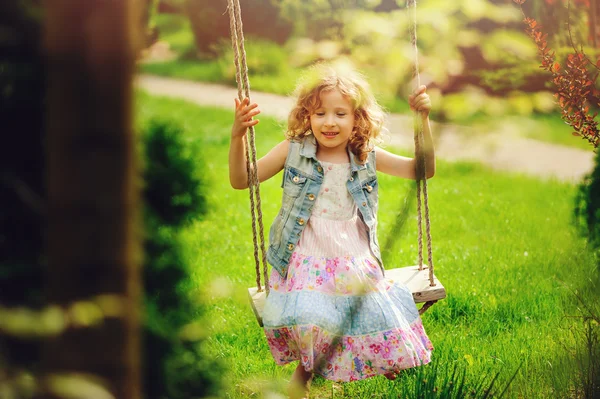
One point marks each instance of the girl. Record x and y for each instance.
(330, 306)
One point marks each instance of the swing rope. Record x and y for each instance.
(420, 157)
(243, 83)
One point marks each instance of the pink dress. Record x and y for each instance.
(335, 311)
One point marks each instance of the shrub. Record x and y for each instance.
(587, 205)
(263, 57)
(173, 196)
(210, 22)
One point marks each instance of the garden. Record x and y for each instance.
(517, 253)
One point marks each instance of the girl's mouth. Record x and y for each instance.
(329, 134)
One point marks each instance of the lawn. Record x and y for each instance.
(504, 247)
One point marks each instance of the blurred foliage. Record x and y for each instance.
(148, 22)
(553, 16)
(321, 20)
(22, 91)
(482, 55)
(210, 22)
(263, 57)
(484, 46)
(22, 212)
(172, 190)
(587, 205)
(175, 365)
(175, 30)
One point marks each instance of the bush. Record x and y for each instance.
(263, 57)
(587, 205)
(210, 22)
(173, 197)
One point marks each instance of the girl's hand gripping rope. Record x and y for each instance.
(419, 101)
(244, 111)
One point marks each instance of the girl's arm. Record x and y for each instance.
(268, 166)
(400, 166)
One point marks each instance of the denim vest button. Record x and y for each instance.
(296, 179)
(300, 221)
(351, 178)
(369, 188)
(290, 246)
(311, 197)
(320, 169)
(364, 204)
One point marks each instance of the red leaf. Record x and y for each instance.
(556, 67)
(576, 134)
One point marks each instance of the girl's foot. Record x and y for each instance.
(390, 376)
(300, 383)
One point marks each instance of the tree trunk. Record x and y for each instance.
(93, 240)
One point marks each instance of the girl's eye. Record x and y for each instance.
(319, 113)
(341, 114)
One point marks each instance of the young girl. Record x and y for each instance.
(330, 306)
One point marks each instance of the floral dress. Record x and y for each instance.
(335, 311)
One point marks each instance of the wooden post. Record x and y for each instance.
(93, 240)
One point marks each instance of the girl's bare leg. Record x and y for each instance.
(300, 383)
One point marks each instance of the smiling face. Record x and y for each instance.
(332, 124)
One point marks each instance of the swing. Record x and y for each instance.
(419, 279)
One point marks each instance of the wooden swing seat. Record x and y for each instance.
(416, 280)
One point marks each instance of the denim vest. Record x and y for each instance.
(302, 179)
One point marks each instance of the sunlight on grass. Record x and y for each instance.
(504, 248)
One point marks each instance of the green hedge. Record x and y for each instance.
(174, 364)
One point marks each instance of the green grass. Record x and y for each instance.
(212, 71)
(191, 70)
(504, 247)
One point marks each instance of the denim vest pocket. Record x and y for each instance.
(293, 182)
(370, 189)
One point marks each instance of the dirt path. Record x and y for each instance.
(500, 149)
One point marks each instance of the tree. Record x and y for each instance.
(93, 243)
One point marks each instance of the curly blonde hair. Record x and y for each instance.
(369, 116)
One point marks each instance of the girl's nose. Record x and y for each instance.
(330, 121)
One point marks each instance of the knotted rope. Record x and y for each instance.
(420, 155)
(243, 85)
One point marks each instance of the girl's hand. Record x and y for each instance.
(244, 111)
(420, 101)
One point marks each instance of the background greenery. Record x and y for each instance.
(484, 69)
